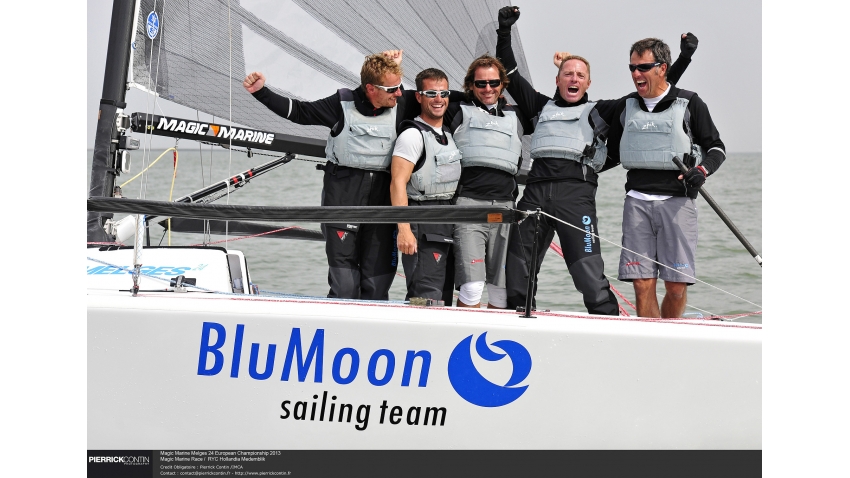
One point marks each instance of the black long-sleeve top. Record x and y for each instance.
(328, 111)
(530, 102)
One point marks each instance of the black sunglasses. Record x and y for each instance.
(484, 83)
(644, 66)
(434, 93)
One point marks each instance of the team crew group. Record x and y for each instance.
(434, 146)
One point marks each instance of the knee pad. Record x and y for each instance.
(497, 296)
(470, 293)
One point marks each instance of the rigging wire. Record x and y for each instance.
(612, 279)
(158, 40)
(148, 134)
(641, 255)
(230, 105)
(207, 229)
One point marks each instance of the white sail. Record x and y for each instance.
(202, 50)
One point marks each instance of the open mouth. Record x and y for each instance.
(573, 89)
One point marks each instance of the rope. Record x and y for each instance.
(643, 256)
(149, 166)
(623, 298)
(560, 252)
(171, 191)
(246, 237)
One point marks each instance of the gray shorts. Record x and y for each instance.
(480, 249)
(665, 231)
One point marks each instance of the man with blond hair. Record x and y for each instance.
(568, 150)
(362, 259)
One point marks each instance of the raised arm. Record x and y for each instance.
(687, 47)
(324, 112)
(528, 100)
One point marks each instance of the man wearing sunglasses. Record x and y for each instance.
(487, 131)
(425, 171)
(568, 150)
(363, 123)
(659, 213)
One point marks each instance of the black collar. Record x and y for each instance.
(500, 105)
(559, 101)
(364, 106)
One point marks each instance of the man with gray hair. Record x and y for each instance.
(569, 151)
(657, 123)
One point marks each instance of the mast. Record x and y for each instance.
(111, 123)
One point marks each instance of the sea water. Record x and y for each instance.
(732, 279)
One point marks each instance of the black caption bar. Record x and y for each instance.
(424, 463)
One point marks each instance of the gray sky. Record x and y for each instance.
(726, 71)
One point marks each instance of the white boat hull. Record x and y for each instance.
(593, 383)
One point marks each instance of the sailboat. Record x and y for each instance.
(183, 353)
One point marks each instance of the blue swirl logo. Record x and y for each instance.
(477, 390)
(585, 220)
(152, 25)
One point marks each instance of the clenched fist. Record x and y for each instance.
(254, 82)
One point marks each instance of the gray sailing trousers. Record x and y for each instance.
(430, 272)
(572, 201)
(362, 258)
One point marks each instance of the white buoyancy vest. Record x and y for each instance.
(365, 142)
(437, 175)
(565, 132)
(487, 140)
(651, 140)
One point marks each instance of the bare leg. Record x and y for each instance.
(491, 306)
(647, 301)
(461, 304)
(675, 299)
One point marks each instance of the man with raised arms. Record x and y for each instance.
(425, 172)
(487, 131)
(568, 150)
(653, 125)
(363, 123)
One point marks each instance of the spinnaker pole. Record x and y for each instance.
(111, 123)
(723, 217)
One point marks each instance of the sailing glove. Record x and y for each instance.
(687, 46)
(508, 16)
(695, 177)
